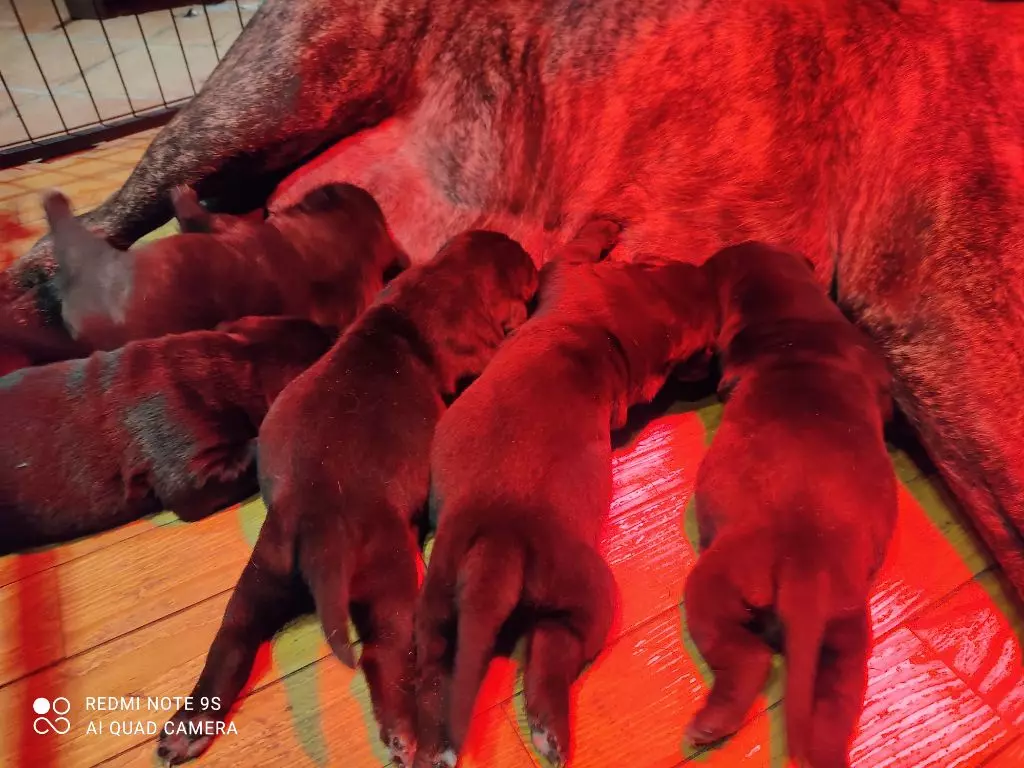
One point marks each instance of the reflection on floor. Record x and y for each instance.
(131, 614)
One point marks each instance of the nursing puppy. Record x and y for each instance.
(323, 258)
(343, 465)
(521, 484)
(796, 502)
(169, 423)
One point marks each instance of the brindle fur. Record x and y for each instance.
(168, 423)
(880, 138)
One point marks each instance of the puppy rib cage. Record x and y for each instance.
(77, 72)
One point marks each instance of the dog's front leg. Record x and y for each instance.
(382, 611)
(302, 75)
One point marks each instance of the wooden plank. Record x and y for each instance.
(161, 659)
(119, 589)
(970, 633)
(632, 706)
(643, 541)
(31, 634)
(320, 716)
(494, 740)
(920, 568)
(109, 592)
(1011, 757)
(20, 566)
(918, 713)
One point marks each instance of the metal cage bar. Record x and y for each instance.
(99, 59)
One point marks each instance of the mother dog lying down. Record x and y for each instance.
(880, 138)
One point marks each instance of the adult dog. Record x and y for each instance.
(796, 502)
(880, 137)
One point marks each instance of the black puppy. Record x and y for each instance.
(521, 482)
(343, 465)
(166, 423)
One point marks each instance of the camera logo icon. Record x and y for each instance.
(59, 707)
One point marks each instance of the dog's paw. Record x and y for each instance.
(186, 736)
(710, 726)
(546, 744)
(436, 759)
(401, 748)
(446, 759)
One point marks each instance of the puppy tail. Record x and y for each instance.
(74, 246)
(803, 606)
(488, 588)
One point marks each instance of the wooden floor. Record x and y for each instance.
(130, 615)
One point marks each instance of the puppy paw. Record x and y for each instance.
(446, 759)
(401, 749)
(546, 744)
(186, 736)
(709, 727)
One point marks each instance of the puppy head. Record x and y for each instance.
(465, 300)
(505, 274)
(351, 212)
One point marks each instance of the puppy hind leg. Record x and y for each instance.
(435, 626)
(579, 613)
(87, 265)
(267, 596)
(839, 691)
(740, 660)
(490, 586)
(384, 601)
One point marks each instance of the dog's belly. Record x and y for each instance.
(892, 161)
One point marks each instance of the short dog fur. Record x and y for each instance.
(796, 502)
(343, 465)
(168, 423)
(521, 485)
(881, 138)
(324, 258)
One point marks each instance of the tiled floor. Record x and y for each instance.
(131, 614)
(129, 63)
